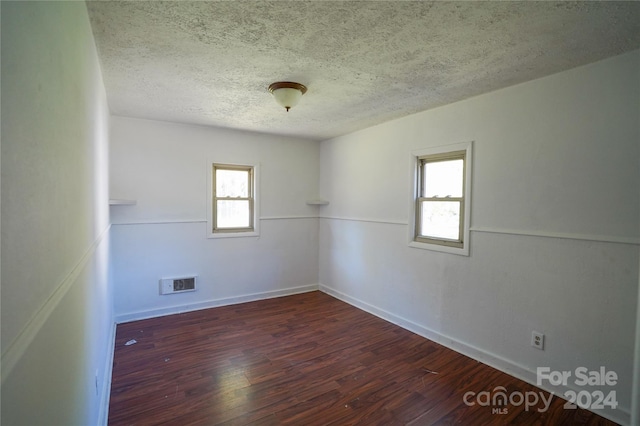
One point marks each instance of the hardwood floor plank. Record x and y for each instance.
(307, 359)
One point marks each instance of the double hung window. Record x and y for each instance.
(441, 199)
(233, 209)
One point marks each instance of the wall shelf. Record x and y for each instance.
(121, 202)
(317, 202)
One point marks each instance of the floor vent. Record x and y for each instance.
(177, 285)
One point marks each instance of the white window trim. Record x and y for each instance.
(256, 202)
(468, 148)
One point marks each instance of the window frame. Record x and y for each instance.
(432, 155)
(253, 229)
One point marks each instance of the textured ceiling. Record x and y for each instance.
(363, 62)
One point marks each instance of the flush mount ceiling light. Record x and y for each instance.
(287, 93)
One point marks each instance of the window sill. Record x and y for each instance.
(463, 251)
(233, 234)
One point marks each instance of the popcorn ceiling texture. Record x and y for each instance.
(363, 62)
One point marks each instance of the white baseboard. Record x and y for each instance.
(135, 316)
(103, 415)
(621, 415)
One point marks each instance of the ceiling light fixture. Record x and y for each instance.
(287, 93)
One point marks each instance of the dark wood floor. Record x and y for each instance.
(307, 359)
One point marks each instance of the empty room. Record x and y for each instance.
(320, 213)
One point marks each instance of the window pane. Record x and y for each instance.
(232, 183)
(232, 214)
(443, 178)
(440, 219)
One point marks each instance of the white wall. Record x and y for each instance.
(57, 318)
(635, 391)
(165, 168)
(555, 224)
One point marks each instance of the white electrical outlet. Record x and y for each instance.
(537, 340)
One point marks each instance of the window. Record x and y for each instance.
(440, 199)
(233, 203)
